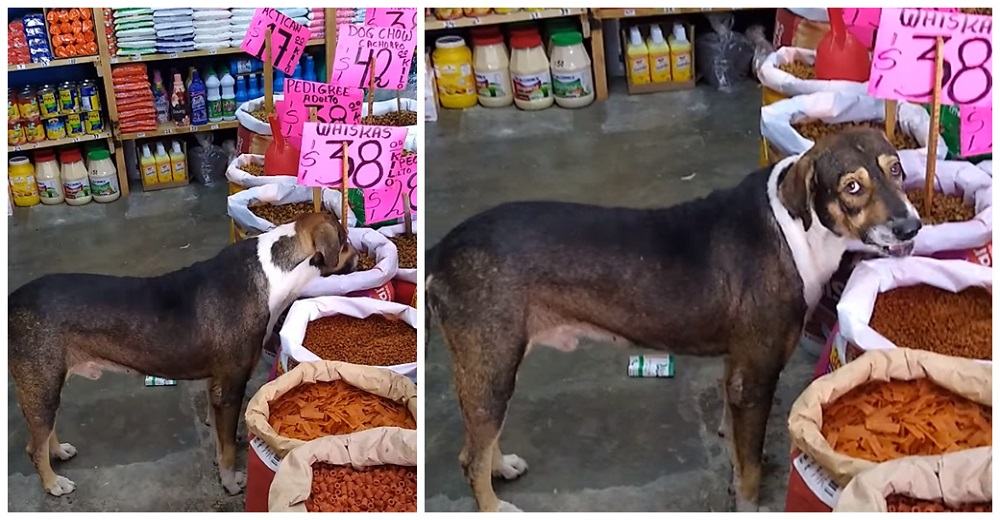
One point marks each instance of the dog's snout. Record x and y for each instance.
(905, 228)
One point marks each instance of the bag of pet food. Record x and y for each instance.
(958, 481)
(773, 76)
(782, 124)
(253, 135)
(240, 204)
(247, 171)
(915, 302)
(310, 477)
(374, 250)
(970, 191)
(800, 27)
(382, 341)
(321, 395)
(877, 408)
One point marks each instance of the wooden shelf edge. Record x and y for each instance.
(165, 185)
(615, 14)
(79, 60)
(122, 59)
(59, 142)
(432, 24)
(171, 129)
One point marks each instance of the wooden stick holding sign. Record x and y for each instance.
(344, 207)
(407, 218)
(268, 74)
(316, 192)
(371, 87)
(932, 139)
(890, 118)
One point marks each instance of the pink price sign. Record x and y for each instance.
(391, 48)
(863, 22)
(905, 48)
(288, 38)
(401, 17)
(369, 154)
(976, 131)
(385, 203)
(404, 174)
(331, 103)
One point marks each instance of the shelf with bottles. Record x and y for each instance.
(163, 163)
(440, 18)
(617, 14)
(659, 55)
(73, 174)
(139, 58)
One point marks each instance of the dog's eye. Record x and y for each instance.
(853, 188)
(896, 170)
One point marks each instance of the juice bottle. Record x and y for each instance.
(178, 163)
(637, 56)
(148, 166)
(680, 54)
(659, 55)
(162, 161)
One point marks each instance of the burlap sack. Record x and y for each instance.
(378, 381)
(377, 447)
(964, 377)
(956, 478)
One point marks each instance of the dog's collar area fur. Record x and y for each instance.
(817, 251)
(287, 276)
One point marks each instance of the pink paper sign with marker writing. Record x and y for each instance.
(333, 104)
(369, 154)
(976, 131)
(288, 38)
(385, 203)
(404, 173)
(391, 49)
(905, 48)
(863, 22)
(401, 17)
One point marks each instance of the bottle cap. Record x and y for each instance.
(679, 33)
(98, 154)
(656, 34)
(525, 40)
(635, 36)
(565, 39)
(449, 42)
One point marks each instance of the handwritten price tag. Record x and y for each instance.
(903, 62)
(404, 172)
(976, 131)
(369, 154)
(332, 104)
(400, 17)
(385, 203)
(288, 38)
(863, 22)
(392, 48)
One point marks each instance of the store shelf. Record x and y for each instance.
(139, 58)
(172, 129)
(54, 63)
(59, 142)
(614, 14)
(431, 24)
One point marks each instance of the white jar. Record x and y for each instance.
(529, 70)
(50, 188)
(103, 176)
(75, 179)
(572, 77)
(492, 67)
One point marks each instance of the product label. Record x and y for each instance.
(532, 87)
(149, 172)
(228, 107)
(643, 366)
(198, 110)
(817, 479)
(661, 65)
(265, 453)
(215, 109)
(491, 84)
(101, 187)
(572, 84)
(77, 189)
(48, 189)
(179, 172)
(466, 69)
(23, 186)
(165, 174)
(639, 65)
(455, 80)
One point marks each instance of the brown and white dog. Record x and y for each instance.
(206, 321)
(736, 274)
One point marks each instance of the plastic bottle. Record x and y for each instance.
(163, 172)
(572, 76)
(309, 72)
(214, 97)
(297, 74)
(321, 72)
(659, 55)
(178, 163)
(147, 164)
(453, 69)
(242, 94)
(21, 175)
(530, 73)
(190, 78)
(48, 177)
(199, 100)
(103, 176)
(75, 177)
(492, 68)
(179, 103)
(228, 97)
(254, 92)
(278, 85)
(680, 55)
(160, 99)
(637, 56)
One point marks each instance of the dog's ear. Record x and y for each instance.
(797, 188)
(327, 241)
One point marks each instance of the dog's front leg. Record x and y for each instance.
(227, 397)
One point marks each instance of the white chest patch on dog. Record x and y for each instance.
(817, 252)
(282, 286)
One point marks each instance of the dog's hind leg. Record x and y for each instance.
(227, 398)
(38, 394)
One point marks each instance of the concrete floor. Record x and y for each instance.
(140, 449)
(594, 439)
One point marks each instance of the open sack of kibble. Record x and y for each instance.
(254, 135)
(334, 328)
(238, 172)
(952, 178)
(897, 296)
(369, 380)
(782, 123)
(378, 248)
(398, 232)
(773, 77)
(381, 108)
(240, 204)
(293, 483)
(959, 479)
(943, 416)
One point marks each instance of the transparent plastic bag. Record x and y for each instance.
(208, 161)
(723, 57)
(762, 47)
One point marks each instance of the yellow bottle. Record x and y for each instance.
(163, 172)
(659, 56)
(178, 163)
(453, 69)
(680, 55)
(23, 188)
(637, 57)
(148, 165)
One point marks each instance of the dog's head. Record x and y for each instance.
(852, 182)
(325, 241)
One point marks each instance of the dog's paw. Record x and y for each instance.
(746, 506)
(65, 451)
(233, 481)
(61, 486)
(507, 507)
(511, 467)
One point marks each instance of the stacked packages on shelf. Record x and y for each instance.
(36, 38)
(239, 22)
(317, 27)
(211, 29)
(174, 30)
(133, 31)
(134, 98)
(17, 44)
(72, 32)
